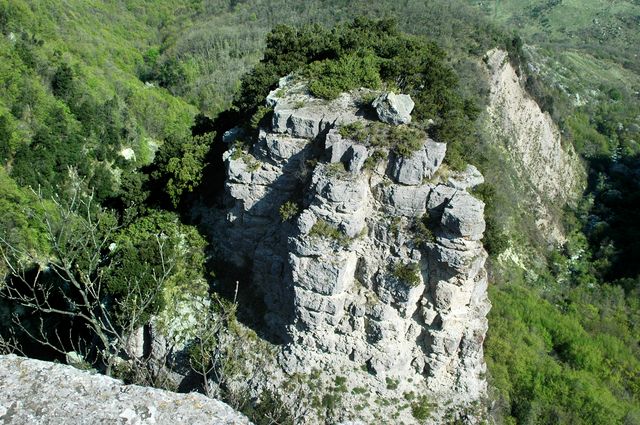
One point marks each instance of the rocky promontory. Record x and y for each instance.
(366, 249)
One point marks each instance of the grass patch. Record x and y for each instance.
(322, 229)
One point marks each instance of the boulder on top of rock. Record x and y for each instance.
(394, 108)
(467, 179)
(422, 164)
(464, 216)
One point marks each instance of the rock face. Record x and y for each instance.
(37, 392)
(357, 283)
(552, 174)
(394, 108)
(421, 165)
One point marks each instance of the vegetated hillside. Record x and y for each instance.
(599, 28)
(578, 66)
(87, 153)
(227, 38)
(73, 102)
(562, 343)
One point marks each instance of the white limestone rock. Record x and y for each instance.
(467, 179)
(422, 164)
(464, 215)
(334, 297)
(394, 108)
(408, 201)
(37, 392)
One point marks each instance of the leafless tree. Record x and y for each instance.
(10, 345)
(79, 233)
(214, 350)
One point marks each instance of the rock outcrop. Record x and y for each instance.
(37, 392)
(394, 108)
(380, 277)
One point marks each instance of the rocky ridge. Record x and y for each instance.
(37, 392)
(379, 275)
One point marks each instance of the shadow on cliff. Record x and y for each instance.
(612, 221)
(250, 255)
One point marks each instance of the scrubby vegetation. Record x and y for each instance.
(403, 140)
(99, 102)
(367, 53)
(322, 229)
(407, 273)
(288, 210)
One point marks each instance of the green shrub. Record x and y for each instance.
(355, 131)
(421, 408)
(372, 160)
(407, 273)
(336, 169)
(329, 78)
(288, 210)
(153, 257)
(406, 140)
(422, 233)
(495, 239)
(268, 409)
(365, 53)
(260, 117)
(392, 384)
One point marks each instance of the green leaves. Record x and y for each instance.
(179, 164)
(329, 78)
(185, 171)
(153, 259)
(571, 362)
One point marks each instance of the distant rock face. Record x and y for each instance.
(551, 173)
(36, 392)
(394, 108)
(353, 283)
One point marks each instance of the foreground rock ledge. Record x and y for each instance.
(37, 392)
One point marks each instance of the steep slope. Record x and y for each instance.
(548, 172)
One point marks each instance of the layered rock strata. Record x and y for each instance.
(381, 270)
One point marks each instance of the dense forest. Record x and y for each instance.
(111, 117)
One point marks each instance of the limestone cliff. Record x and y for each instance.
(37, 392)
(379, 278)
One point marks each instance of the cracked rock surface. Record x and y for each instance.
(37, 392)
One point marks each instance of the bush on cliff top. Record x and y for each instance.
(366, 53)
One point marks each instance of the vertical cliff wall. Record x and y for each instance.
(379, 275)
